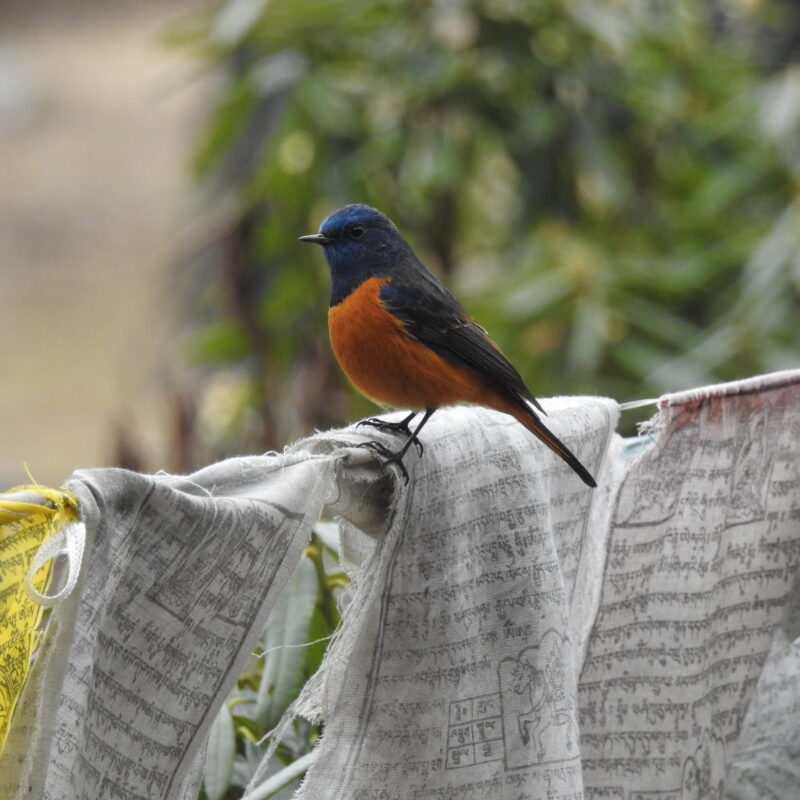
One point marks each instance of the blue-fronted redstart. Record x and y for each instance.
(404, 341)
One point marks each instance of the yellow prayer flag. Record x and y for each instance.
(23, 528)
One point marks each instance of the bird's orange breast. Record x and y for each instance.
(387, 364)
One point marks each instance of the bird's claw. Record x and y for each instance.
(386, 425)
(392, 427)
(386, 457)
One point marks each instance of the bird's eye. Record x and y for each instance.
(357, 231)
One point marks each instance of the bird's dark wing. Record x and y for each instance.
(433, 316)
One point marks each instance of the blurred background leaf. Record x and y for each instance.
(286, 632)
(219, 756)
(610, 187)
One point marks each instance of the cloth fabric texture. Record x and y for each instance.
(509, 631)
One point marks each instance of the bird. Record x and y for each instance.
(404, 341)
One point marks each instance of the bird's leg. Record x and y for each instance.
(392, 427)
(412, 439)
(397, 458)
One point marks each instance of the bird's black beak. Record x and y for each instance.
(315, 238)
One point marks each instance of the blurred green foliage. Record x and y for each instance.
(609, 186)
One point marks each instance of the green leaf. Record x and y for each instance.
(220, 342)
(225, 126)
(315, 651)
(286, 631)
(328, 533)
(272, 785)
(250, 726)
(219, 756)
(537, 294)
(246, 763)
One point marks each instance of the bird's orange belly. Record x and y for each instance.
(388, 365)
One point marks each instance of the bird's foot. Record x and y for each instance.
(393, 427)
(386, 457)
(386, 425)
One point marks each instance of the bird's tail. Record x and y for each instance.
(532, 422)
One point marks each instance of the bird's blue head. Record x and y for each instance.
(359, 242)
